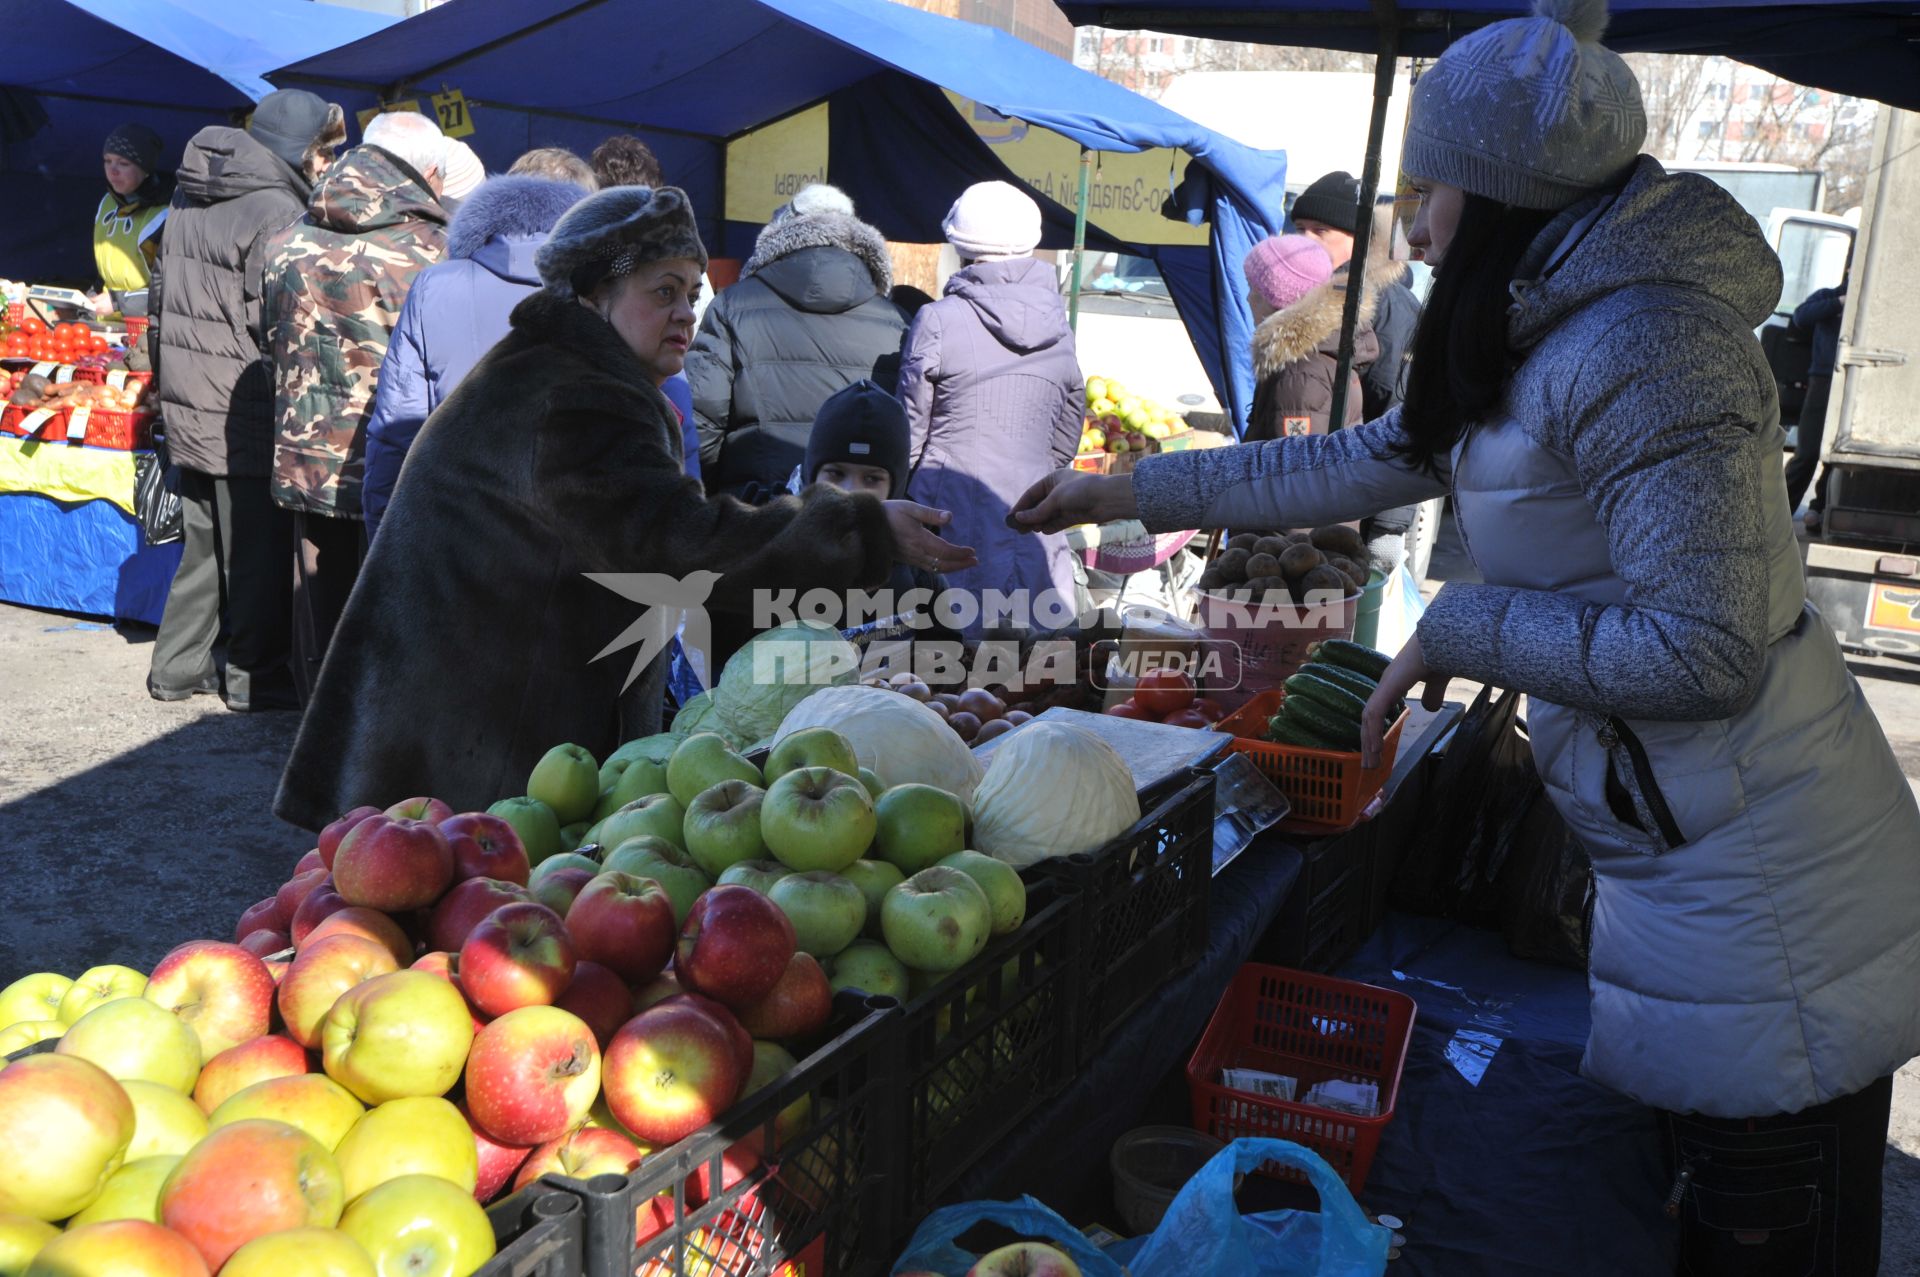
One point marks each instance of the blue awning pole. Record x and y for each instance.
(1079, 236)
(1388, 14)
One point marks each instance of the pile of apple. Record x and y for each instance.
(1119, 422)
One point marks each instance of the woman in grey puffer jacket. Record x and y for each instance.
(1587, 385)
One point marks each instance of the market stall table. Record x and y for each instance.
(73, 545)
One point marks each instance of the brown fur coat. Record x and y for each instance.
(1297, 350)
(467, 648)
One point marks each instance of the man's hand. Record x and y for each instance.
(1067, 498)
(1408, 669)
(915, 545)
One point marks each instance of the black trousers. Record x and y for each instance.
(1796, 1195)
(235, 543)
(327, 554)
(1806, 449)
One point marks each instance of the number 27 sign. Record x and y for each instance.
(451, 108)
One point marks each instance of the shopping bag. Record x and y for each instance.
(156, 501)
(1203, 1233)
(933, 1249)
(1548, 885)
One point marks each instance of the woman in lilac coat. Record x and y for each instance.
(995, 401)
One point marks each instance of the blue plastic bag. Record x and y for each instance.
(932, 1249)
(1203, 1233)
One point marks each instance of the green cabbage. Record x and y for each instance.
(774, 672)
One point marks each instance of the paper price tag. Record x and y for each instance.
(41, 370)
(451, 108)
(63, 373)
(36, 419)
(117, 378)
(77, 423)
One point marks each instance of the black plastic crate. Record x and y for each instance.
(986, 1047)
(819, 1189)
(538, 1234)
(1144, 897)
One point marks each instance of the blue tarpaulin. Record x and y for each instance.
(1868, 50)
(690, 77)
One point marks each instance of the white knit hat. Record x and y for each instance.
(460, 170)
(993, 219)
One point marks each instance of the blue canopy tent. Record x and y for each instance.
(693, 78)
(76, 68)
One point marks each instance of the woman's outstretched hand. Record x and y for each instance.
(915, 544)
(1407, 669)
(1067, 498)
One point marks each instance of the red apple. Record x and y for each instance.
(322, 903)
(331, 836)
(466, 905)
(323, 970)
(368, 924)
(726, 1019)
(393, 864)
(736, 1163)
(599, 997)
(532, 1075)
(498, 1161)
(296, 889)
(249, 1179)
(735, 946)
(656, 990)
(431, 810)
(263, 915)
(223, 991)
(560, 888)
(312, 860)
(264, 944)
(485, 846)
(581, 1154)
(239, 1067)
(799, 1005)
(624, 923)
(670, 1071)
(519, 956)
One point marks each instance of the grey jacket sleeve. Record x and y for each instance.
(710, 375)
(1663, 423)
(919, 366)
(1284, 483)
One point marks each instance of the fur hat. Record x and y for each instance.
(1531, 111)
(991, 220)
(812, 201)
(1285, 268)
(613, 232)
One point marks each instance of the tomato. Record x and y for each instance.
(1213, 709)
(32, 327)
(1188, 717)
(1127, 709)
(1163, 691)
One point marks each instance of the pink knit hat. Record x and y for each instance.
(1285, 268)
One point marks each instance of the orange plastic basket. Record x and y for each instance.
(1324, 786)
(1312, 1028)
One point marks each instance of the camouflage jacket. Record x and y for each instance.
(335, 281)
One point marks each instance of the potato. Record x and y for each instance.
(1300, 560)
(1271, 590)
(1325, 578)
(1338, 538)
(1243, 541)
(1299, 538)
(1354, 572)
(1274, 545)
(1212, 579)
(1260, 565)
(1233, 563)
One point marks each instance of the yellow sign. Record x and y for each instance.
(1895, 607)
(767, 167)
(451, 107)
(1126, 189)
(410, 104)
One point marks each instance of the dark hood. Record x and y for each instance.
(370, 188)
(823, 262)
(224, 163)
(1017, 301)
(1673, 230)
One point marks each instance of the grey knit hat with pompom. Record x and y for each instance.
(1530, 111)
(613, 233)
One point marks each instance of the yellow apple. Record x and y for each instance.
(21, 1238)
(399, 1034)
(24, 1034)
(132, 1192)
(164, 1121)
(420, 1226)
(64, 1127)
(97, 985)
(301, 1252)
(315, 1104)
(416, 1135)
(33, 997)
(122, 1248)
(134, 1039)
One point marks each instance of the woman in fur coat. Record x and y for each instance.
(472, 643)
(1298, 300)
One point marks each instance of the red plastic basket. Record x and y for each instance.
(1313, 1028)
(127, 431)
(19, 420)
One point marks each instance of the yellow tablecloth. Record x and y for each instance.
(67, 473)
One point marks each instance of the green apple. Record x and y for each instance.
(165, 1122)
(917, 825)
(758, 874)
(1000, 882)
(132, 1192)
(565, 860)
(826, 910)
(97, 985)
(21, 1239)
(568, 780)
(33, 997)
(875, 786)
(658, 859)
(702, 762)
(573, 837)
(421, 1226)
(18, 1037)
(812, 747)
(817, 818)
(658, 814)
(874, 878)
(722, 826)
(534, 821)
(131, 1038)
(869, 966)
(770, 1062)
(937, 920)
(637, 779)
(657, 748)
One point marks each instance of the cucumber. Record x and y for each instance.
(1330, 694)
(1341, 733)
(1340, 676)
(1352, 655)
(1282, 730)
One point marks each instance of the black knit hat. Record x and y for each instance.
(862, 425)
(1334, 200)
(136, 143)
